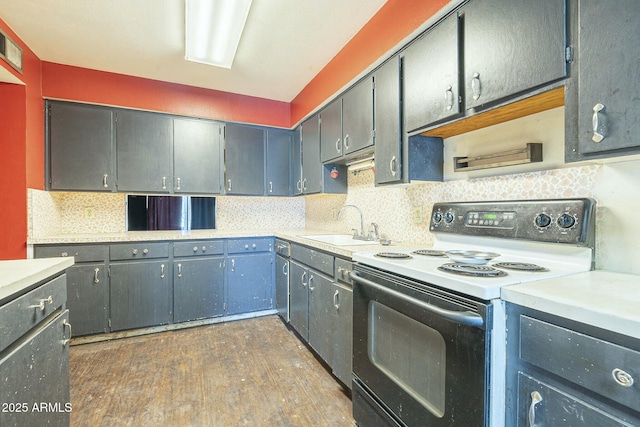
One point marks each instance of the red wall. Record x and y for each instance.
(393, 22)
(81, 84)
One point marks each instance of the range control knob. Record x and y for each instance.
(448, 217)
(566, 221)
(437, 217)
(542, 220)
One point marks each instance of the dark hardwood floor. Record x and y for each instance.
(245, 373)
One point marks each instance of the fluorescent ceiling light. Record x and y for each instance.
(213, 30)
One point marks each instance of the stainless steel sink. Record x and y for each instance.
(339, 239)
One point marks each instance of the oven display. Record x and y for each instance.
(506, 220)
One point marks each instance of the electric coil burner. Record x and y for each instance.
(520, 266)
(430, 252)
(393, 255)
(473, 270)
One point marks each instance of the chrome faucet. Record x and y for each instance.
(356, 235)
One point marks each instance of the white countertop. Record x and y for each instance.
(603, 299)
(16, 275)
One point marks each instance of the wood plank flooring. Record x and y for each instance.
(251, 372)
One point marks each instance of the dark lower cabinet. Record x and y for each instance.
(299, 298)
(140, 294)
(34, 377)
(282, 287)
(88, 298)
(249, 283)
(341, 305)
(320, 315)
(198, 288)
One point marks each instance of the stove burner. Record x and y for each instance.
(430, 252)
(471, 270)
(520, 266)
(393, 255)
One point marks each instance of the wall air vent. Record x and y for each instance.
(10, 52)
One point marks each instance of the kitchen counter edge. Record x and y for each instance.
(600, 298)
(16, 276)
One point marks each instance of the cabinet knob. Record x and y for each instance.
(64, 254)
(135, 252)
(204, 249)
(145, 251)
(622, 378)
(254, 246)
(246, 246)
(195, 249)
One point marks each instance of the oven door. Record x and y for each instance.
(420, 354)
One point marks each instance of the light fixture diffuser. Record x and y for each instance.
(213, 30)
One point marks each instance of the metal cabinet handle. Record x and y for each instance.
(95, 275)
(285, 269)
(535, 399)
(270, 186)
(162, 271)
(475, 86)
(338, 146)
(393, 166)
(233, 265)
(599, 129)
(104, 181)
(66, 324)
(448, 98)
(299, 185)
(622, 378)
(304, 274)
(311, 281)
(335, 300)
(228, 184)
(179, 270)
(177, 183)
(346, 142)
(164, 182)
(304, 184)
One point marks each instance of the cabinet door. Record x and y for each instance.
(299, 298)
(296, 162)
(139, 294)
(431, 76)
(511, 46)
(250, 281)
(244, 160)
(88, 298)
(388, 148)
(196, 156)
(342, 309)
(278, 162)
(357, 117)
(320, 315)
(311, 165)
(198, 288)
(608, 70)
(331, 131)
(282, 287)
(144, 150)
(36, 372)
(80, 143)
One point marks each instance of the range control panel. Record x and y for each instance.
(556, 220)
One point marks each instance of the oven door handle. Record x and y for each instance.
(462, 317)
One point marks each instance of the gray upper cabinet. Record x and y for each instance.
(431, 76)
(80, 147)
(144, 151)
(511, 46)
(196, 156)
(278, 179)
(347, 123)
(331, 144)
(357, 117)
(608, 83)
(388, 119)
(296, 162)
(244, 160)
(311, 165)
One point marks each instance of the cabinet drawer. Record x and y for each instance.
(319, 261)
(23, 313)
(198, 248)
(129, 251)
(555, 407)
(238, 246)
(81, 253)
(283, 248)
(342, 270)
(605, 368)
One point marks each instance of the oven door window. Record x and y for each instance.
(410, 353)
